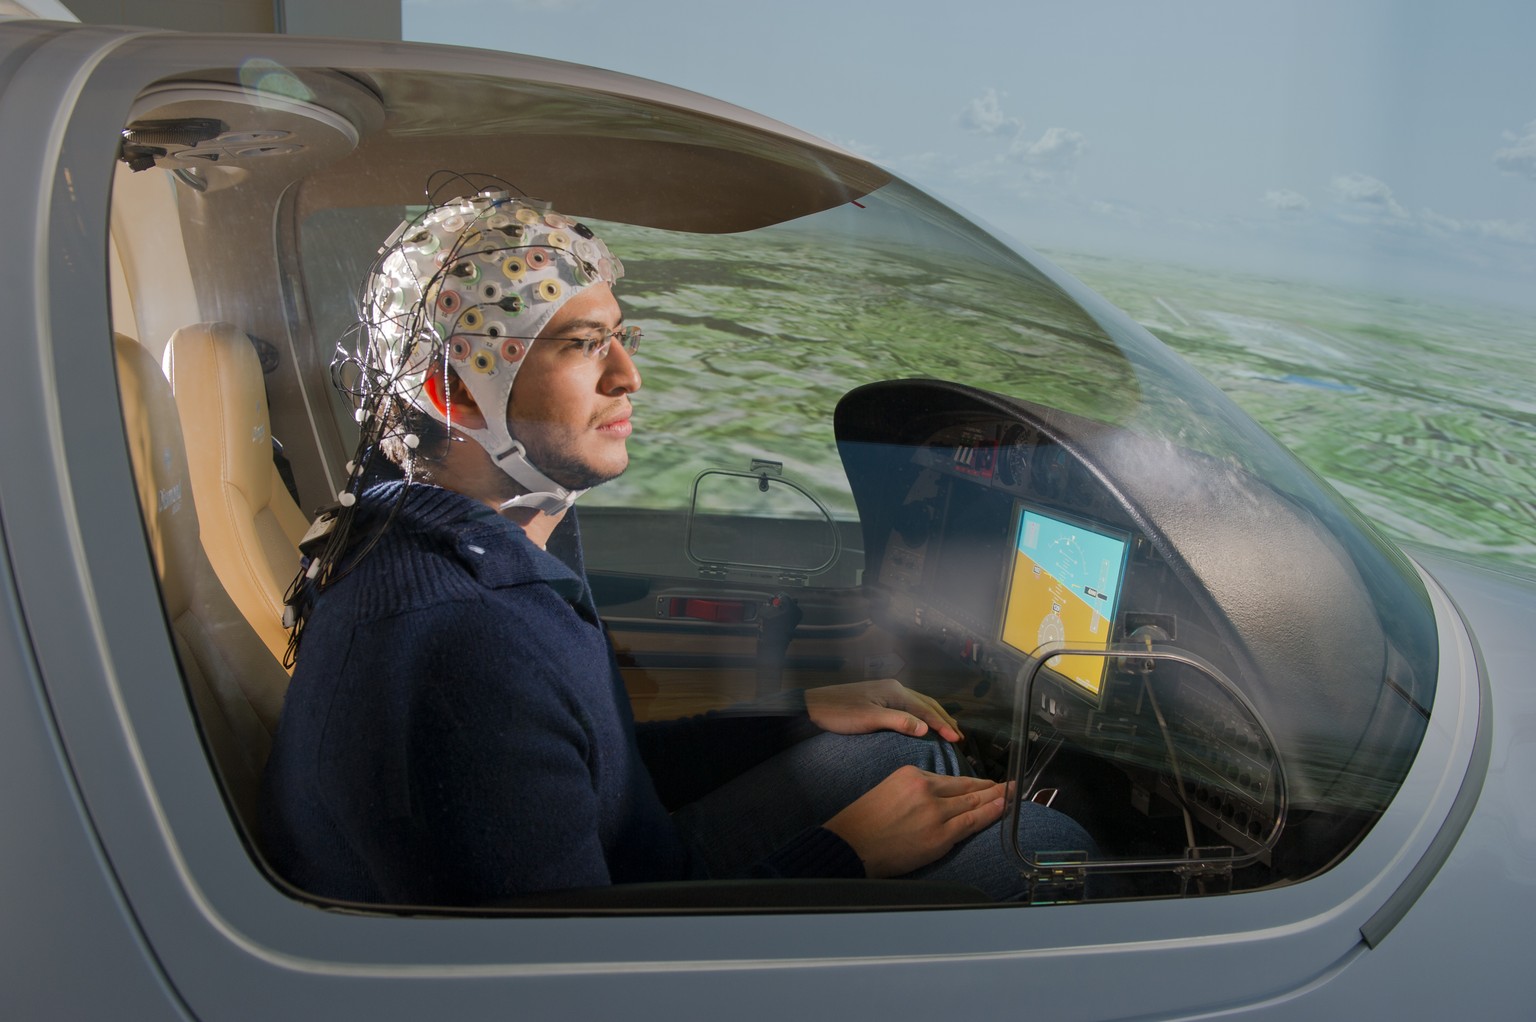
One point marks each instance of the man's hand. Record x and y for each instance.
(913, 817)
(885, 705)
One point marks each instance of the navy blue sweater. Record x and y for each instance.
(457, 731)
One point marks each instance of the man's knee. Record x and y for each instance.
(885, 751)
(1048, 830)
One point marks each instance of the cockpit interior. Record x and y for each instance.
(874, 441)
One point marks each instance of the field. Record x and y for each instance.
(1421, 413)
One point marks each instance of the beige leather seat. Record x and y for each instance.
(236, 685)
(251, 526)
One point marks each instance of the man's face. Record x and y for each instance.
(572, 412)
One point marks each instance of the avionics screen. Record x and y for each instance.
(1065, 587)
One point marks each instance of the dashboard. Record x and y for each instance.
(992, 531)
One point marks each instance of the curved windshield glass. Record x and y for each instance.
(1056, 418)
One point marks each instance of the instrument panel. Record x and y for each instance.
(998, 534)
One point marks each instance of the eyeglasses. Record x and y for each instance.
(593, 346)
(599, 346)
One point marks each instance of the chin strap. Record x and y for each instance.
(544, 494)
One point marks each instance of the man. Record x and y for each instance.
(457, 731)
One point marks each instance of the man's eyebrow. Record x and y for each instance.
(585, 324)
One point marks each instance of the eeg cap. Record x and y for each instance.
(467, 286)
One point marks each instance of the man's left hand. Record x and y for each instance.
(884, 705)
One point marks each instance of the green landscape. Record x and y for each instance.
(1421, 414)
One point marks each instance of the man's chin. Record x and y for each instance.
(585, 477)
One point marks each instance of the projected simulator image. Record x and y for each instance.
(1065, 587)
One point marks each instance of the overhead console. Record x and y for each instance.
(999, 532)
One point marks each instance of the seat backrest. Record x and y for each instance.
(236, 685)
(251, 526)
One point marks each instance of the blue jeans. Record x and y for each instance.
(748, 817)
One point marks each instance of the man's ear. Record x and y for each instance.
(458, 403)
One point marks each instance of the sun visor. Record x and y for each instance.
(688, 164)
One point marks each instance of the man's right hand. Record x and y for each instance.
(913, 817)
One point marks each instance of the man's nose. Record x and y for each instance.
(620, 374)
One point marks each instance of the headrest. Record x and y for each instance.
(217, 379)
(159, 469)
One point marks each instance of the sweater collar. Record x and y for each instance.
(496, 551)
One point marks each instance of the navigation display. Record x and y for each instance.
(1065, 587)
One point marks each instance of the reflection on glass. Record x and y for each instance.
(745, 520)
(1211, 778)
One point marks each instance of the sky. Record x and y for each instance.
(1389, 145)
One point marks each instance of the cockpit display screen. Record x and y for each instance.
(1065, 587)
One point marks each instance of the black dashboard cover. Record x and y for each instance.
(1316, 620)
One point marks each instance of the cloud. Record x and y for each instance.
(1520, 157)
(1286, 201)
(1493, 230)
(984, 115)
(1381, 209)
(926, 164)
(1504, 230)
(1364, 190)
(857, 147)
(1030, 167)
(1023, 166)
(1058, 148)
(1441, 222)
(1116, 210)
(1369, 203)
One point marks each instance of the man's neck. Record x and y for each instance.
(466, 468)
(536, 524)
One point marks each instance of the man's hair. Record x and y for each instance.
(405, 419)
